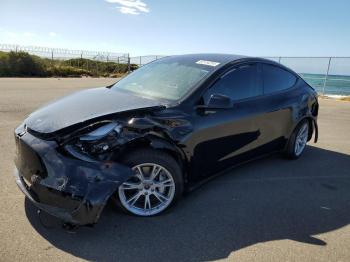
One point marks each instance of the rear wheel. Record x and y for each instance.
(298, 140)
(156, 185)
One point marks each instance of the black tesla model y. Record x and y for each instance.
(158, 132)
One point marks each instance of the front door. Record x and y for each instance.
(220, 136)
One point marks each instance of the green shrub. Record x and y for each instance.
(66, 71)
(23, 64)
(3, 64)
(98, 67)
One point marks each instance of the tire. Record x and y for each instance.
(154, 196)
(297, 141)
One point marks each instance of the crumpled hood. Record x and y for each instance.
(82, 106)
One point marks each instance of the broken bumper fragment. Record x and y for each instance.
(73, 190)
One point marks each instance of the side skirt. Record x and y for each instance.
(192, 187)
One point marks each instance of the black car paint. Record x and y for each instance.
(77, 108)
(63, 186)
(203, 140)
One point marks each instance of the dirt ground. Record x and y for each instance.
(268, 210)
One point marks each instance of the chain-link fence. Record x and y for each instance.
(91, 61)
(328, 75)
(65, 54)
(142, 60)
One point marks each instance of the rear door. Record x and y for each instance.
(275, 107)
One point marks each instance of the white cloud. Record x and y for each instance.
(52, 34)
(128, 10)
(132, 7)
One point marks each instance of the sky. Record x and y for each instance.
(166, 27)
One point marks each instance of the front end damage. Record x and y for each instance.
(71, 174)
(73, 190)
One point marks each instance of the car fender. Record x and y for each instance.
(313, 123)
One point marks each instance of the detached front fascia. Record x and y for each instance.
(74, 190)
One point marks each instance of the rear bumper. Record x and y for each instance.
(73, 190)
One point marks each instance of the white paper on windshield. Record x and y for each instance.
(208, 63)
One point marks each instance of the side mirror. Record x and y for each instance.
(219, 101)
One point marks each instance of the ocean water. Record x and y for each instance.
(335, 84)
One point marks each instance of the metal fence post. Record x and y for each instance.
(325, 79)
(140, 61)
(97, 64)
(128, 63)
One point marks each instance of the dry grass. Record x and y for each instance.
(347, 98)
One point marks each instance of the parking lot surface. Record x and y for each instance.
(271, 209)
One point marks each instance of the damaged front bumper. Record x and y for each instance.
(73, 190)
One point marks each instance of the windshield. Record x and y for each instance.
(168, 78)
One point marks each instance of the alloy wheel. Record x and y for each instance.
(301, 139)
(150, 191)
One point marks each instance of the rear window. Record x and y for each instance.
(277, 79)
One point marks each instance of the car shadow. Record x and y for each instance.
(269, 199)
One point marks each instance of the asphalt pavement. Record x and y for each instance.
(271, 209)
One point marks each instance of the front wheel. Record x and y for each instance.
(298, 140)
(156, 184)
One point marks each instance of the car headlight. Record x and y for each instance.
(101, 132)
(101, 140)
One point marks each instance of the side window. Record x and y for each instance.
(239, 83)
(276, 79)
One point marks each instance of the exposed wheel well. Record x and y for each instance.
(173, 154)
(311, 127)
